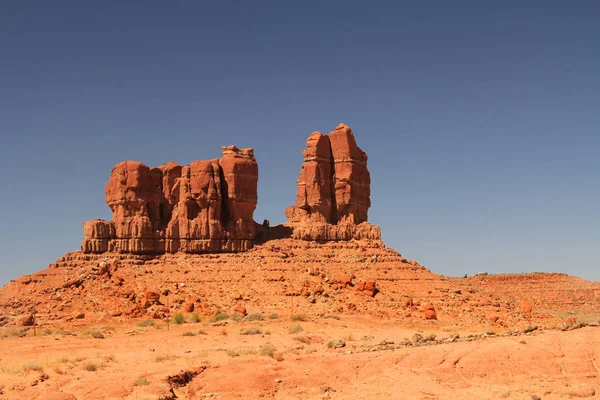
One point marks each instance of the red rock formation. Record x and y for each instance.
(315, 184)
(206, 206)
(352, 179)
(334, 190)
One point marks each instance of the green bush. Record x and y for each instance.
(178, 319)
(90, 366)
(145, 323)
(237, 317)
(267, 350)
(250, 331)
(254, 317)
(141, 382)
(219, 317)
(299, 317)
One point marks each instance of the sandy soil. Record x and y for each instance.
(297, 360)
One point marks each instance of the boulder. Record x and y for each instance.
(240, 309)
(430, 314)
(151, 298)
(78, 315)
(345, 280)
(368, 288)
(26, 320)
(525, 307)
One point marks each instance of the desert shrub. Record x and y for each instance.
(336, 344)
(32, 366)
(160, 325)
(267, 350)
(97, 333)
(237, 317)
(233, 353)
(189, 334)
(299, 317)
(254, 317)
(164, 357)
(91, 332)
(90, 366)
(196, 318)
(178, 319)
(295, 329)
(274, 316)
(219, 317)
(110, 358)
(250, 331)
(64, 333)
(145, 323)
(141, 382)
(13, 332)
(303, 339)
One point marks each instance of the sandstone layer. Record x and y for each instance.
(334, 189)
(206, 206)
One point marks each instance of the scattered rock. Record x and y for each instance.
(525, 307)
(336, 344)
(240, 309)
(78, 315)
(579, 392)
(26, 320)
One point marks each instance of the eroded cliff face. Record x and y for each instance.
(206, 206)
(334, 190)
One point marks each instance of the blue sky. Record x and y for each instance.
(481, 119)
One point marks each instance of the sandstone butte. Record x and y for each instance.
(188, 231)
(182, 239)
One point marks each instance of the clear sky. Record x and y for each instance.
(481, 119)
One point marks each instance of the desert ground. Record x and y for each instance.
(282, 356)
(294, 319)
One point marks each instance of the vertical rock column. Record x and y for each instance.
(334, 190)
